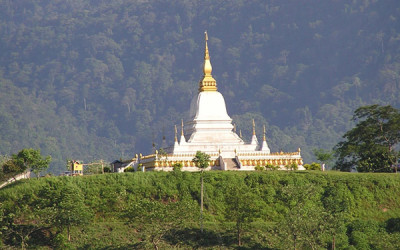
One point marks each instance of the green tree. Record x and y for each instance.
(156, 218)
(312, 166)
(65, 207)
(22, 223)
(370, 145)
(202, 161)
(322, 155)
(32, 159)
(243, 206)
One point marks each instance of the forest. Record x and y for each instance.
(161, 210)
(94, 80)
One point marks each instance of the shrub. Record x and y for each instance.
(271, 167)
(177, 166)
(312, 166)
(129, 169)
(259, 168)
(292, 166)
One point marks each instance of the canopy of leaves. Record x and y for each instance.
(267, 210)
(372, 145)
(202, 160)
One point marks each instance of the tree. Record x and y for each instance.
(156, 218)
(32, 159)
(65, 207)
(202, 161)
(306, 221)
(22, 223)
(322, 155)
(370, 145)
(243, 206)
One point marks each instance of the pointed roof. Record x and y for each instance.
(208, 83)
(183, 140)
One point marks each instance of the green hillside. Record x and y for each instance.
(100, 80)
(269, 210)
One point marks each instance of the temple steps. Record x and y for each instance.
(231, 164)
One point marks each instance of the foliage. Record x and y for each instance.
(242, 207)
(269, 209)
(32, 159)
(323, 156)
(202, 160)
(156, 219)
(259, 168)
(292, 166)
(312, 166)
(271, 167)
(177, 167)
(129, 169)
(371, 145)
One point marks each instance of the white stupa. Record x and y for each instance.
(210, 130)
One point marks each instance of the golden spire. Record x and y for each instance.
(240, 133)
(208, 83)
(182, 128)
(176, 134)
(254, 128)
(264, 139)
(234, 127)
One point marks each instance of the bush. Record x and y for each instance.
(129, 169)
(259, 168)
(312, 166)
(292, 166)
(271, 167)
(177, 166)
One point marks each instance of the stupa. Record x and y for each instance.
(210, 130)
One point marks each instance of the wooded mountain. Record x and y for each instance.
(98, 79)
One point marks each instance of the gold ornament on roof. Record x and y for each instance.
(264, 139)
(254, 128)
(176, 134)
(182, 128)
(208, 83)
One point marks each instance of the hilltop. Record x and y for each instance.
(273, 209)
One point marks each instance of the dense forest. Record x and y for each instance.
(93, 80)
(161, 210)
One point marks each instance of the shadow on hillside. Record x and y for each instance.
(393, 225)
(194, 238)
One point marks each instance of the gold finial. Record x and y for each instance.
(254, 128)
(208, 83)
(234, 127)
(264, 139)
(240, 133)
(176, 134)
(182, 127)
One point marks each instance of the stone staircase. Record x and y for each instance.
(231, 164)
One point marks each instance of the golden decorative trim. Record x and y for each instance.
(208, 83)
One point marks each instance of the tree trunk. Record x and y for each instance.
(239, 236)
(69, 233)
(333, 243)
(201, 203)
